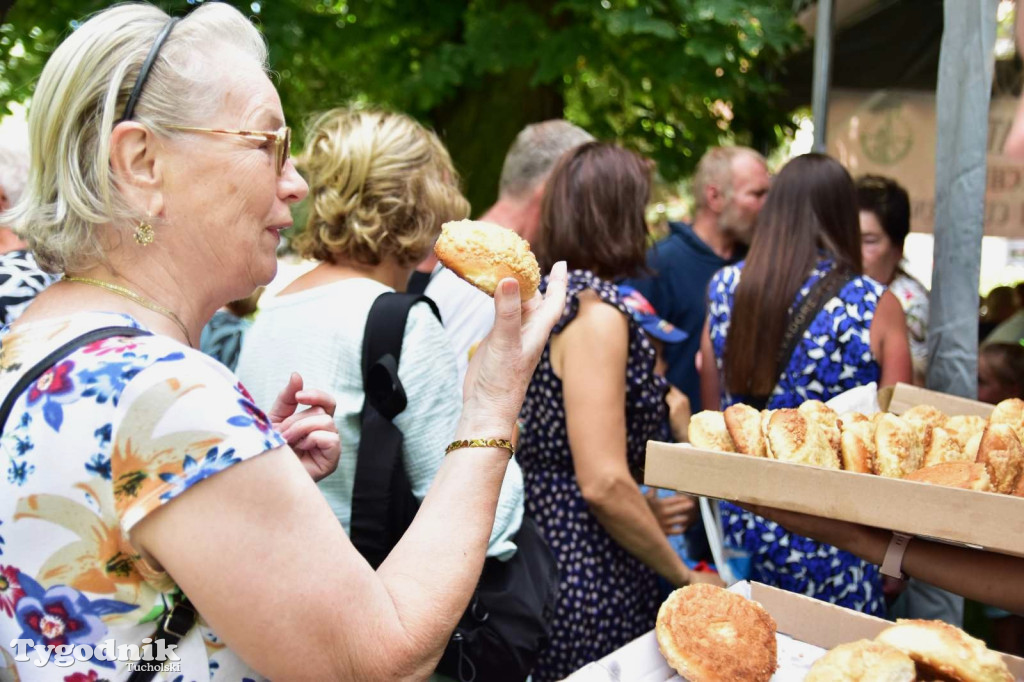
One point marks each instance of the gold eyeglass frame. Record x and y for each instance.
(282, 139)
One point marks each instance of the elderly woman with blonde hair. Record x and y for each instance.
(381, 185)
(145, 496)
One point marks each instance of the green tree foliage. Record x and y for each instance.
(666, 77)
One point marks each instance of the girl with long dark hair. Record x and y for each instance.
(807, 240)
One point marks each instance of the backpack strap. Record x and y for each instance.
(382, 501)
(40, 368)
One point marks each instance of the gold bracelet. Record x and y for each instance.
(482, 443)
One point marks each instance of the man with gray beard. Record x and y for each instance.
(729, 188)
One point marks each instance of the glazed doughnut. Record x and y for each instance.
(483, 254)
(949, 651)
(708, 634)
(863, 661)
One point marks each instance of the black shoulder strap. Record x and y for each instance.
(180, 618)
(418, 282)
(38, 369)
(823, 291)
(382, 501)
(382, 350)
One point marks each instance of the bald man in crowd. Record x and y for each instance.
(729, 188)
(468, 313)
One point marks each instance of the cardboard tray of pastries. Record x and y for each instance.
(805, 629)
(929, 464)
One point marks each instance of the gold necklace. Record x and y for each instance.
(129, 294)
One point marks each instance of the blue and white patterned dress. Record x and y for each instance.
(607, 596)
(833, 356)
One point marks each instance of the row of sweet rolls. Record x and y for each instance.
(923, 444)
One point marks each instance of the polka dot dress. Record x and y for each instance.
(607, 597)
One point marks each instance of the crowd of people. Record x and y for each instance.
(156, 490)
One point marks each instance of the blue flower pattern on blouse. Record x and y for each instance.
(833, 356)
(103, 438)
(193, 471)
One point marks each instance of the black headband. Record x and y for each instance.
(129, 109)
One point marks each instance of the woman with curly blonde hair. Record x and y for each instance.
(381, 185)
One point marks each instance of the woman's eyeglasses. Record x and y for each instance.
(282, 139)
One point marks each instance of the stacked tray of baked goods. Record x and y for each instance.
(927, 472)
(755, 633)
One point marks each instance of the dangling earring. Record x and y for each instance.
(144, 233)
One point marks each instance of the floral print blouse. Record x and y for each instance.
(110, 433)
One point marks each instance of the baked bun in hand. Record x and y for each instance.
(483, 254)
(712, 635)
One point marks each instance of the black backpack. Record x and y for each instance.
(508, 621)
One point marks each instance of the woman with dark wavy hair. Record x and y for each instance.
(594, 402)
(806, 245)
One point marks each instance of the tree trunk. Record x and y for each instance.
(497, 108)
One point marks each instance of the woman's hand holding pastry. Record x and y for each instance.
(503, 365)
(311, 433)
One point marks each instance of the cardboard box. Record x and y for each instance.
(984, 520)
(966, 517)
(901, 397)
(804, 619)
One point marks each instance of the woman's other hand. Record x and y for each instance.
(675, 513)
(503, 364)
(311, 433)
